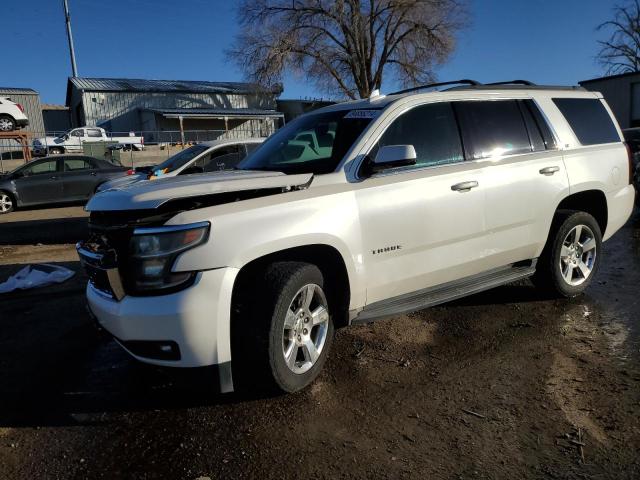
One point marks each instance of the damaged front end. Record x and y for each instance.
(132, 251)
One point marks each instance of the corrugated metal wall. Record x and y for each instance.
(32, 108)
(122, 108)
(33, 111)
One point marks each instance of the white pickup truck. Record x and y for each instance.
(73, 141)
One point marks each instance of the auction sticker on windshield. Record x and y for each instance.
(363, 114)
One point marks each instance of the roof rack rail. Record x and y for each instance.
(437, 84)
(514, 82)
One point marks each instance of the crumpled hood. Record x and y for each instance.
(152, 194)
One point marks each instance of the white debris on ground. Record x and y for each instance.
(33, 276)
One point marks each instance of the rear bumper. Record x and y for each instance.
(620, 206)
(196, 320)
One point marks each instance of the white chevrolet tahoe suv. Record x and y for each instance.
(409, 200)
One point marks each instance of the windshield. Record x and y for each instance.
(179, 159)
(313, 143)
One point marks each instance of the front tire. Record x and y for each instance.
(283, 336)
(572, 255)
(7, 203)
(7, 123)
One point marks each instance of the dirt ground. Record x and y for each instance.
(502, 385)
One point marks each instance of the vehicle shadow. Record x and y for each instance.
(47, 232)
(58, 369)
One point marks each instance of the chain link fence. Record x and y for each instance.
(155, 148)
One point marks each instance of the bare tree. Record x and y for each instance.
(346, 45)
(621, 52)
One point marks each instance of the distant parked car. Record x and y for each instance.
(201, 158)
(65, 178)
(12, 115)
(73, 141)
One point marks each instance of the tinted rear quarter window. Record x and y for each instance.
(588, 119)
(492, 128)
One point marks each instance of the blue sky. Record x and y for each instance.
(546, 41)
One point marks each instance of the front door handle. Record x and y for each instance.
(54, 178)
(549, 170)
(464, 186)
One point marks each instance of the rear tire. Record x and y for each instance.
(7, 202)
(572, 255)
(282, 329)
(7, 123)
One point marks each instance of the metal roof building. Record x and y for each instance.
(156, 106)
(622, 93)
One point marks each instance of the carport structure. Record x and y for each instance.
(215, 122)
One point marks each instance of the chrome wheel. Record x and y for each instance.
(6, 124)
(578, 255)
(6, 204)
(305, 328)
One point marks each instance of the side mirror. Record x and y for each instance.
(393, 156)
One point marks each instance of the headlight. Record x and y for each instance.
(153, 252)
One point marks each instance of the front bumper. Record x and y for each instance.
(197, 319)
(22, 122)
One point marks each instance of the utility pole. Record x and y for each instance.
(72, 52)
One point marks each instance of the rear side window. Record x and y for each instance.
(75, 164)
(492, 128)
(588, 119)
(433, 132)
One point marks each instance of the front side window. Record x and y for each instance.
(179, 159)
(49, 166)
(250, 147)
(492, 128)
(314, 143)
(223, 159)
(588, 119)
(433, 132)
(76, 133)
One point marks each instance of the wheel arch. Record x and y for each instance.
(593, 202)
(326, 257)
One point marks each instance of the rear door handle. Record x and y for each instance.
(464, 186)
(549, 170)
